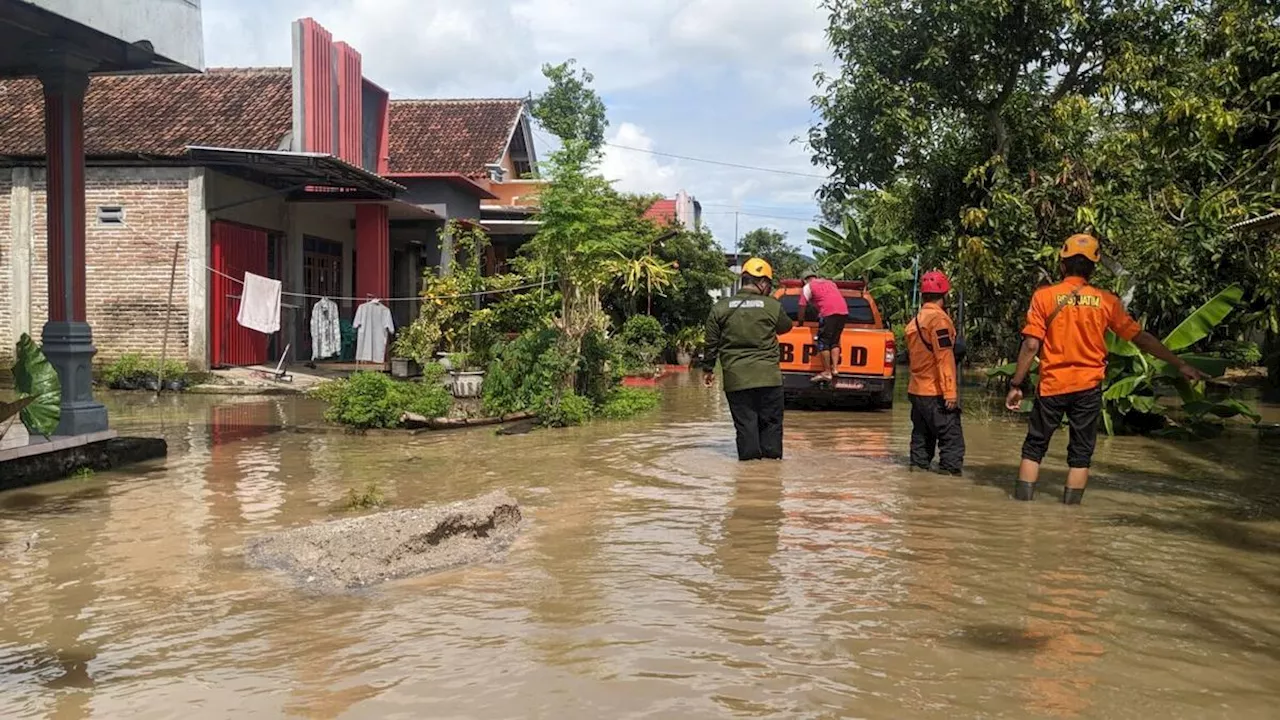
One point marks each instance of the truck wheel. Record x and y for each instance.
(883, 401)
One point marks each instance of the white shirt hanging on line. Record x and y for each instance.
(372, 324)
(260, 304)
(326, 335)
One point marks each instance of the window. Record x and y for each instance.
(859, 309)
(110, 215)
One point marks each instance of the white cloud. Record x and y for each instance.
(722, 79)
(637, 172)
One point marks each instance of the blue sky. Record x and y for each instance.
(726, 80)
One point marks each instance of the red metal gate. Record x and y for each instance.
(236, 249)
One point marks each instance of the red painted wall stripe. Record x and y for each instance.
(350, 90)
(373, 251)
(318, 96)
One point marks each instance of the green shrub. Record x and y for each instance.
(1238, 353)
(601, 367)
(374, 400)
(527, 374)
(629, 402)
(568, 410)
(133, 371)
(642, 341)
(129, 367)
(524, 312)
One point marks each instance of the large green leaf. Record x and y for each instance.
(1003, 371)
(1123, 348)
(1224, 409)
(34, 376)
(1124, 387)
(1200, 323)
(1211, 366)
(1146, 404)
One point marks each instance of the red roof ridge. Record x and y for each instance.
(442, 101)
(248, 70)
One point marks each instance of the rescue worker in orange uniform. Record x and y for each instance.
(1066, 328)
(933, 391)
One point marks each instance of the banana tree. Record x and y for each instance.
(855, 254)
(1134, 378)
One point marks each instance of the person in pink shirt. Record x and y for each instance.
(833, 313)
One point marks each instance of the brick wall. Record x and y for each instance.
(128, 266)
(6, 271)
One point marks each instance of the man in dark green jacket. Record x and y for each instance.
(742, 334)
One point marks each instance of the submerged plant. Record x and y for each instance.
(365, 499)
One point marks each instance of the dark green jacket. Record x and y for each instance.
(742, 334)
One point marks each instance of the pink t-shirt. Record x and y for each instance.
(825, 296)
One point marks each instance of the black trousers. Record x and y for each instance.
(1082, 410)
(757, 421)
(934, 427)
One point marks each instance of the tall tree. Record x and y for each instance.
(572, 110)
(772, 245)
(988, 130)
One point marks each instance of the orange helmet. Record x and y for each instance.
(1082, 244)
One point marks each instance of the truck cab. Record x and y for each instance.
(867, 351)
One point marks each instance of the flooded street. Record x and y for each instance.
(657, 577)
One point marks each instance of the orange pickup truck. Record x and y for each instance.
(867, 352)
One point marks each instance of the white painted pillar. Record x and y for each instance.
(22, 254)
(198, 239)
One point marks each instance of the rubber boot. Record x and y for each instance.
(1023, 490)
(1072, 496)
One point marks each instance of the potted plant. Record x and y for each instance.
(686, 342)
(466, 377)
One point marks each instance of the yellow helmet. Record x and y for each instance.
(755, 267)
(1082, 244)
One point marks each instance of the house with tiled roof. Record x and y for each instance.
(683, 209)
(285, 173)
(489, 140)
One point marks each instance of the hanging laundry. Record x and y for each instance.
(373, 324)
(260, 304)
(326, 336)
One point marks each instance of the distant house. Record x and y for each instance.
(488, 141)
(683, 208)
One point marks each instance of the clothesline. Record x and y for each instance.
(398, 299)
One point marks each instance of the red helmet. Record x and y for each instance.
(934, 282)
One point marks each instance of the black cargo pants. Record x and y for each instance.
(934, 427)
(757, 422)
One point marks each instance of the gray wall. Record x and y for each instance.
(174, 27)
(457, 202)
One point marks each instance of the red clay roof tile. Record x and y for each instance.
(450, 136)
(160, 115)
(662, 211)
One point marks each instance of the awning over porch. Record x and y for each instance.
(299, 176)
(511, 227)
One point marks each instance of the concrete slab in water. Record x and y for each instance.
(361, 551)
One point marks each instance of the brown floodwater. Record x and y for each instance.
(657, 577)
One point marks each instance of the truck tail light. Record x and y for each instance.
(890, 352)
